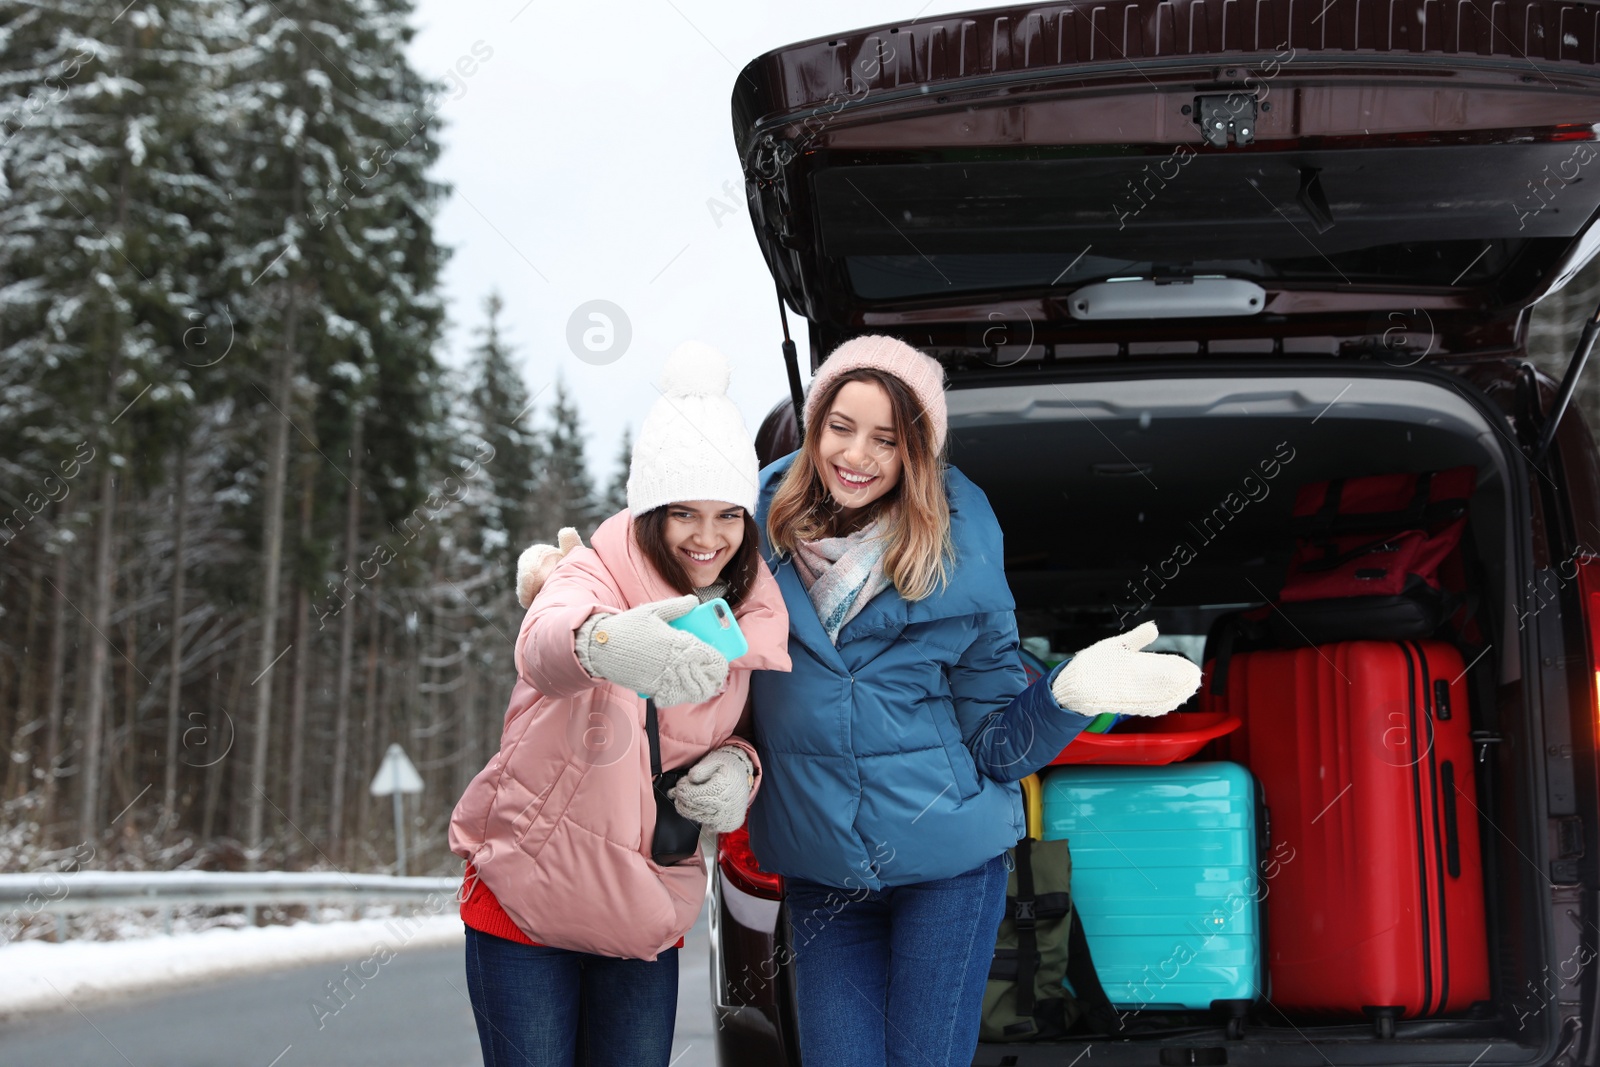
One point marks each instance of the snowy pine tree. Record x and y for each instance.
(110, 201)
(337, 277)
(566, 491)
(503, 417)
(616, 498)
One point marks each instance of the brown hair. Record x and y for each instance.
(650, 534)
(919, 553)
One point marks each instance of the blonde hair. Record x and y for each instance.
(919, 553)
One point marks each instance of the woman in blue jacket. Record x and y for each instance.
(892, 749)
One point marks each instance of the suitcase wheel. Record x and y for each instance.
(1236, 1011)
(1383, 1017)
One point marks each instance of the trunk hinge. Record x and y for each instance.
(1569, 384)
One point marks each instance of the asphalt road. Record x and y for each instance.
(414, 1014)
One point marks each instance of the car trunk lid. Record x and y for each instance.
(1250, 176)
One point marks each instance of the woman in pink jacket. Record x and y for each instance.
(572, 927)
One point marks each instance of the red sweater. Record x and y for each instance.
(483, 912)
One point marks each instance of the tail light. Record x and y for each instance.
(738, 863)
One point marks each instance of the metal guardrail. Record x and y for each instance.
(63, 893)
(93, 890)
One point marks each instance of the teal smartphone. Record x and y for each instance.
(713, 623)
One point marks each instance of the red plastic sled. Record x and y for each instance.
(1162, 739)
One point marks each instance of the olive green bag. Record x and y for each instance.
(1040, 943)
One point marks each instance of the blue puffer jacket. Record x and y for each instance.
(894, 757)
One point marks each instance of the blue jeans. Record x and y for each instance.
(547, 1007)
(894, 976)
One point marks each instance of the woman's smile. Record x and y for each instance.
(853, 479)
(699, 558)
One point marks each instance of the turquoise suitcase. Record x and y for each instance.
(1164, 877)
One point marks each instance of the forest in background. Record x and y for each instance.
(252, 531)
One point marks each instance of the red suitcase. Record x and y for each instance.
(1375, 901)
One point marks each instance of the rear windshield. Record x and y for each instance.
(1457, 215)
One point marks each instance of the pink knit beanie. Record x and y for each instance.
(923, 375)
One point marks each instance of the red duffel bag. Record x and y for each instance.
(1375, 557)
(1379, 536)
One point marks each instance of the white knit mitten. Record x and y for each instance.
(636, 648)
(1114, 676)
(537, 561)
(716, 791)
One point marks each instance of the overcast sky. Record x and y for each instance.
(591, 156)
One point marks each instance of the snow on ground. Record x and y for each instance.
(39, 976)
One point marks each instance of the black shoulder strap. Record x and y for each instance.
(1324, 516)
(1417, 511)
(653, 732)
(1023, 918)
(1421, 513)
(1224, 656)
(1085, 981)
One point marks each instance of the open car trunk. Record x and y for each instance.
(1096, 480)
(1159, 243)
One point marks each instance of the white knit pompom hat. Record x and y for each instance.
(693, 444)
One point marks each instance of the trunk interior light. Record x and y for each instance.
(738, 863)
(1205, 296)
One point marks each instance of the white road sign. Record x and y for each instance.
(396, 775)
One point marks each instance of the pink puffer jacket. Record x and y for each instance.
(559, 823)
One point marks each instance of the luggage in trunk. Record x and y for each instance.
(1365, 760)
(1379, 557)
(1164, 880)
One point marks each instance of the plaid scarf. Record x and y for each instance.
(842, 574)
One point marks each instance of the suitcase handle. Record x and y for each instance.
(1452, 839)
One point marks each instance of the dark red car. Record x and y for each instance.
(1155, 243)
